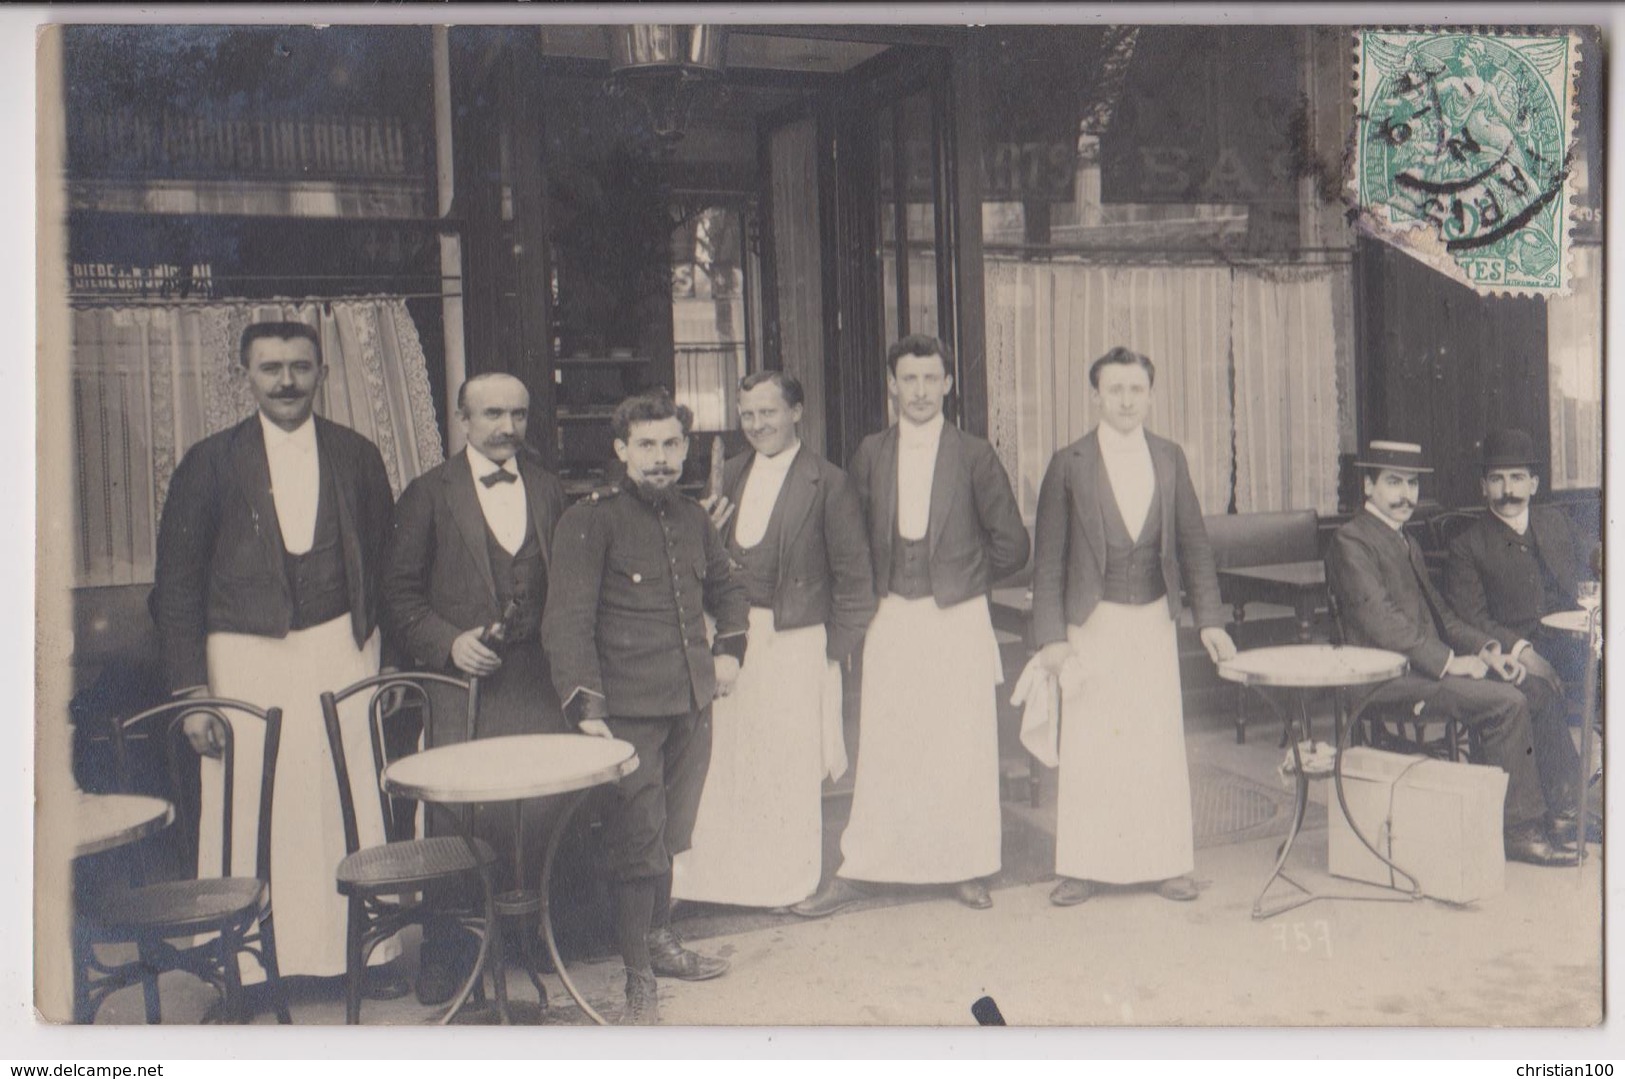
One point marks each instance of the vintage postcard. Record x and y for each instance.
(738, 524)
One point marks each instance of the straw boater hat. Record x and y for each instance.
(1398, 456)
(1509, 448)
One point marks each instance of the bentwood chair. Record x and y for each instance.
(198, 925)
(393, 885)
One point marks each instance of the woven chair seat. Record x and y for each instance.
(177, 907)
(409, 863)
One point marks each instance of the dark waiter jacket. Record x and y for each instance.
(1069, 563)
(824, 574)
(975, 533)
(220, 563)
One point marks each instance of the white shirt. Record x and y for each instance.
(502, 503)
(916, 469)
(296, 481)
(761, 494)
(1128, 466)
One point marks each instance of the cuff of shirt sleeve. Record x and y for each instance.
(732, 644)
(584, 704)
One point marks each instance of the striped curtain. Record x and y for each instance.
(1246, 371)
(150, 381)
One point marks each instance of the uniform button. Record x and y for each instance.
(637, 578)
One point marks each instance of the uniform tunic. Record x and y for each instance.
(635, 573)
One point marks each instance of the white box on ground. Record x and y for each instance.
(1438, 820)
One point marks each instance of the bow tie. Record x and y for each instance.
(501, 475)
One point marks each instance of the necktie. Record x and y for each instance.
(501, 475)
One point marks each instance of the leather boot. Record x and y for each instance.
(669, 959)
(642, 1000)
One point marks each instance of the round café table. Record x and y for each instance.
(513, 768)
(102, 822)
(1586, 624)
(1297, 670)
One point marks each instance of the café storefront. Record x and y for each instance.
(446, 201)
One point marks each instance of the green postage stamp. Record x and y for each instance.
(1463, 151)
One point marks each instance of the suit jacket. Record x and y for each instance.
(824, 572)
(1488, 579)
(1386, 601)
(220, 564)
(975, 531)
(437, 580)
(1069, 563)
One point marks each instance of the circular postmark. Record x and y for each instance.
(1468, 133)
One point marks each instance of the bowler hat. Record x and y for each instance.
(1400, 456)
(1509, 447)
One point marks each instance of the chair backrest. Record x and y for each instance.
(167, 721)
(1262, 539)
(389, 696)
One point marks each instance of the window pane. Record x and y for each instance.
(708, 314)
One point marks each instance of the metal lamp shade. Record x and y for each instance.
(666, 49)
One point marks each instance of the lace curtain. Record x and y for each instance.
(1246, 371)
(150, 381)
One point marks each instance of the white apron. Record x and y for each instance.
(1125, 798)
(925, 809)
(307, 830)
(758, 839)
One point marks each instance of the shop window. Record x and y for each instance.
(713, 297)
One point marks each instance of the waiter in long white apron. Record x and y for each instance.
(795, 537)
(266, 590)
(943, 526)
(1118, 528)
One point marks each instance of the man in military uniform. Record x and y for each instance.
(636, 568)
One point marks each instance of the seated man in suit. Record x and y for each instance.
(1507, 571)
(1376, 576)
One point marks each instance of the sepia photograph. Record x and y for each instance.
(1089, 523)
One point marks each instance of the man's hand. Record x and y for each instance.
(1465, 667)
(1053, 656)
(1536, 664)
(1500, 664)
(471, 655)
(595, 727)
(1218, 644)
(727, 674)
(719, 508)
(203, 731)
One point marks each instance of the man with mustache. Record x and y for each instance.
(797, 543)
(1506, 571)
(636, 569)
(1376, 574)
(266, 590)
(465, 581)
(943, 526)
